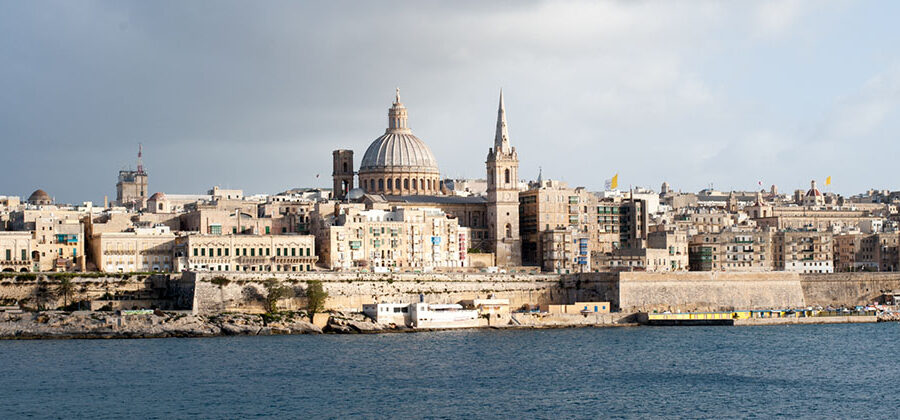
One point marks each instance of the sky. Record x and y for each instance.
(256, 95)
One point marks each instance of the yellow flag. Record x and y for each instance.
(615, 182)
(828, 181)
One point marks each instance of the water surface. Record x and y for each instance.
(835, 371)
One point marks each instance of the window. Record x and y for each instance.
(267, 230)
(24, 255)
(406, 184)
(293, 252)
(506, 176)
(8, 254)
(390, 184)
(195, 252)
(252, 252)
(508, 230)
(380, 185)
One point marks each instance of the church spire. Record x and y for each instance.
(501, 139)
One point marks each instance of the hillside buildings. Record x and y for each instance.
(395, 212)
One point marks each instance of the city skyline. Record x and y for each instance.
(257, 97)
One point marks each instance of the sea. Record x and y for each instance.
(800, 371)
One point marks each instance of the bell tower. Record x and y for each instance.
(503, 195)
(342, 173)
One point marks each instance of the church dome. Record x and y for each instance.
(398, 162)
(399, 151)
(40, 197)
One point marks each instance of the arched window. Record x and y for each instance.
(406, 184)
(508, 230)
(380, 185)
(397, 183)
(390, 184)
(506, 176)
(422, 183)
(414, 184)
(429, 184)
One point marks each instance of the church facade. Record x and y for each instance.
(399, 169)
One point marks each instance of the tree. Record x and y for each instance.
(64, 289)
(274, 291)
(41, 294)
(315, 297)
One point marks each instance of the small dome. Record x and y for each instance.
(158, 196)
(402, 151)
(40, 197)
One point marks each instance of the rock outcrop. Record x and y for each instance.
(33, 325)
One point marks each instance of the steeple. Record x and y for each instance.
(540, 179)
(397, 117)
(140, 162)
(501, 138)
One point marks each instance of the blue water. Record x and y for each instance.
(834, 371)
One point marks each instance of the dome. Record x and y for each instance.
(158, 196)
(398, 162)
(40, 197)
(399, 151)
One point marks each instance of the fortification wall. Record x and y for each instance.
(708, 291)
(847, 289)
(32, 290)
(349, 291)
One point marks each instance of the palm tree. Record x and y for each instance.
(64, 289)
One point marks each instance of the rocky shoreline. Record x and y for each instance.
(97, 325)
(109, 325)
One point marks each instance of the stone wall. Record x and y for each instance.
(847, 289)
(349, 291)
(708, 291)
(31, 290)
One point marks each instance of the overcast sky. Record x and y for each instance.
(256, 95)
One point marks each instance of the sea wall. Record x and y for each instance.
(708, 291)
(42, 290)
(847, 289)
(244, 292)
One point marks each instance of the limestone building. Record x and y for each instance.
(731, 250)
(866, 252)
(803, 251)
(397, 239)
(131, 187)
(140, 250)
(15, 252)
(249, 253)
